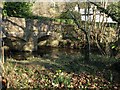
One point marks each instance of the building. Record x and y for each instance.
(98, 18)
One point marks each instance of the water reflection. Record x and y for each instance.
(43, 52)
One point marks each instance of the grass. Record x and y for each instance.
(59, 71)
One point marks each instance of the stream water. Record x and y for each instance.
(43, 52)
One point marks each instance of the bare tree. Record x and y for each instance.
(84, 30)
(1, 42)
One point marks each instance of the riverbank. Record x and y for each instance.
(61, 71)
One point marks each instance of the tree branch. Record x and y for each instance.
(106, 12)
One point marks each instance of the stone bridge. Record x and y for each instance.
(33, 31)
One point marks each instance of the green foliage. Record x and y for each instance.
(66, 18)
(66, 15)
(114, 9)
(60, 78)
(65, 21)
(17, 9)
(113, 47)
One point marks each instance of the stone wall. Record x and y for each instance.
(31, 30)
(15, 26)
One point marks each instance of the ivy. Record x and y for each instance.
(17, 9)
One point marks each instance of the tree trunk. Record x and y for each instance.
(30, 37)
(87, 29)
(1, 48)
(1, 42)
(86, 50)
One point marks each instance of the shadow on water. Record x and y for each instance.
(50, 58)
(70, 60)
(42, 52)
